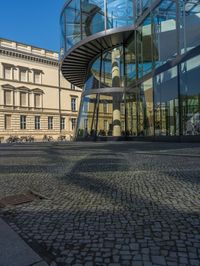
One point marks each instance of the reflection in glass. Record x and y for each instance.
(164, 25)
(92, 14)
(139, 109)
(144, 48)
(190, 96)
(166, 103)
(148, 84)
(119, 13)
(189, 24)
(82, 18)
(97, 110)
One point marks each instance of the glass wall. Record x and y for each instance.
(144, 48)
(107, 70)
(97, 117)
(139, 110)
(189, 24)
(87, 117)
(82, 18)
(149, 84)
(141, 6)
(190, 96)
(166, 109)
(92, 17)
(130, 59)
(119, 13)
(71, 20)
(164, 32)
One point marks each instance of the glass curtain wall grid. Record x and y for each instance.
(138, 63)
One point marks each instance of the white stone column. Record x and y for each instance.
(27, 75)
(116, 98)
(31, 99)
(17, 98)
(1, 96)
(27, 99)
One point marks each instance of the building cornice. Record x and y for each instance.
(42, 111)
(4, 51)
(40, 85)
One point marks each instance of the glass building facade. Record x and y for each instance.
(138, 63)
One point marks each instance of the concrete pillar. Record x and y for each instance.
(116, 96)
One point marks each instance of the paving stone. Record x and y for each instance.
(147, 263)
(159, 260)
(127, 203)
(41, 263)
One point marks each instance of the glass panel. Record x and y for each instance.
(92, 17)
(73, 104)
(62, 123)
(141, 6)
(164, 25)
(146, 104)
(50, 122)
(190, 96)
(105, 110)
(166, 103)
(72, 25)
(107, 70)
(119, 13)
(82, 18)
(139, 110)
(37, 122)
(105, 116)
(189, 24)
(22, 122)
(62, 35)
(130, 62)
(131, 113)
(87, 112)
(144, 48)
(73, 123)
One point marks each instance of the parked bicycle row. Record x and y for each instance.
(23, 139)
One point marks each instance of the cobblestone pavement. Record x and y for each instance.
(124, 203)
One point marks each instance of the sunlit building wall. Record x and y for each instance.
(35, 99)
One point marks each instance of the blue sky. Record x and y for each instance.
(34, 22)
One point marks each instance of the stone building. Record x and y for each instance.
(35, 99)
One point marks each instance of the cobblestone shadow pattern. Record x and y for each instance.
(106, 203)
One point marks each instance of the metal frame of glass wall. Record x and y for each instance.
(138, 63)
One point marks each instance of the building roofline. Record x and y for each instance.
(28, 44)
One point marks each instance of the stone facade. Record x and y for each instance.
(35, 99)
